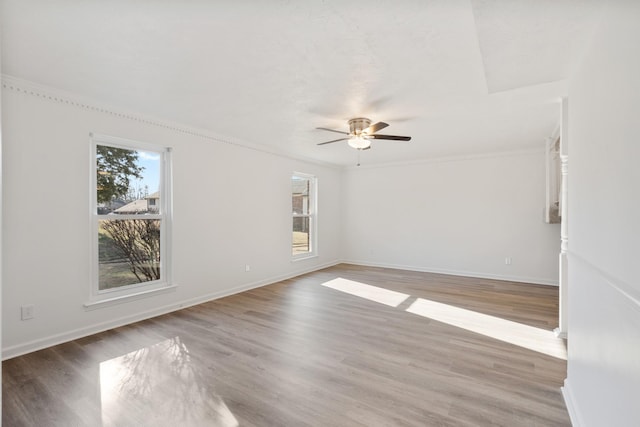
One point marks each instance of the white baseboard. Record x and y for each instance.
(572, 407)
(560, 333)
(39, 344)
(534, 280)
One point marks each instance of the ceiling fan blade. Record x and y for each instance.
(391, 137)
(335, 140)
(333, 130)
(375, 127)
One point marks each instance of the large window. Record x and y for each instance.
(131, 217)
(303, 203)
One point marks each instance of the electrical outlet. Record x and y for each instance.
(507, 260)
(27, 312)
(247, 267)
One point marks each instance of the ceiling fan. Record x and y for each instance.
(362, 132)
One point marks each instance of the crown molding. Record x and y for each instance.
(455, 158)
(60, 96)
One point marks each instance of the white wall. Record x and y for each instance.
(1, 186)
(461, 216)
(603, 378)
(232, 207)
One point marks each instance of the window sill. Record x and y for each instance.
(108, 302)
(305, 257)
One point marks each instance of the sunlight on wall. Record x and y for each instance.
(157, 385)
(372, 293)
(529, 337)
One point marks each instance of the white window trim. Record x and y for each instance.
(313, 217)
(108, 297)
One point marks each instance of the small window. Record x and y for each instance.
(303, 203)
(131, 218)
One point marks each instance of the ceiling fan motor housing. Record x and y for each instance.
(357, 125)
(362, 132)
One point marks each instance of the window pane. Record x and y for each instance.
(128, 181)
(300, 195)
(301, 240)
(128, 252)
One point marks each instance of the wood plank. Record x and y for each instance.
(298, 353)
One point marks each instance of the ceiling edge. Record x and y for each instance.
(67, 98)
(455, 158)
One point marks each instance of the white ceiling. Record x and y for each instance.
(459, 76)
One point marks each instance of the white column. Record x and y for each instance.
(564, 247)
(1, 226)
(549, 185)
(562, 329)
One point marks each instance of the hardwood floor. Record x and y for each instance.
(344, 346)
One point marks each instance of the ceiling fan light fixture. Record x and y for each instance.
(359, 142)
(361, 132)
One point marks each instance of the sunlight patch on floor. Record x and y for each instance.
(372, 293)
(526, 336)
(508, 331)
(160, 384)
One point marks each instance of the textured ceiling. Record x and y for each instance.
(460, 77)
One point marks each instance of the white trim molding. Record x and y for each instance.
(108, 302)
(67, 98)
(458, 158)
(563, 317)
(570, 403)
(39, 344)
(463, 273)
